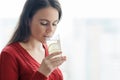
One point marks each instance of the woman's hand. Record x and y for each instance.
(50, 63)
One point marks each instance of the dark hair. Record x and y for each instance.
(22, 32)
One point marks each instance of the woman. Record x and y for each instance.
(26, 56)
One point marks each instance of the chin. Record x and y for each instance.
(42, 41)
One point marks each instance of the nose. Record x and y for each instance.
(50, 29)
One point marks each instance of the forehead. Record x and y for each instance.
(48, 13)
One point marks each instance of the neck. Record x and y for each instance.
(32, 44)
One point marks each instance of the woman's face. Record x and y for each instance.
(44, 23)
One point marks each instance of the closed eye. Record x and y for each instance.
(44, 23)
(54, 24)
(47, 23)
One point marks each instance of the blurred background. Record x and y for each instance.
(90, 36)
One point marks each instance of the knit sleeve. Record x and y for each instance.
(38, 76)
(8, 67)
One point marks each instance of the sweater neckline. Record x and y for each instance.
(29, 56)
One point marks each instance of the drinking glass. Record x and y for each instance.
(54, 44)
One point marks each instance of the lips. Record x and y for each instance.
(47, 37)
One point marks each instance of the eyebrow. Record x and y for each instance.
(48, 20)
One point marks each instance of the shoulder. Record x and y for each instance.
(9, 49)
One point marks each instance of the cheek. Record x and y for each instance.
(54, 29)
(36, 31)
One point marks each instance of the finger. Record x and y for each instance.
(58, 63)
(52, 60)
(53, 54)
(57, 58)
(55, 64)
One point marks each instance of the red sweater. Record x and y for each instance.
(17, 64)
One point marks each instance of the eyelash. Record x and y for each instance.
(54, 24)
(43, 23)
(47, 24)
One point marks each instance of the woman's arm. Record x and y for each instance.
(48, 65)
(8, 67)
(38, 76)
